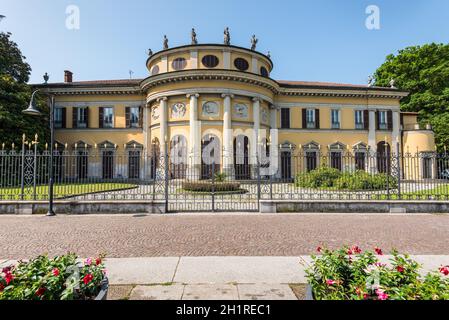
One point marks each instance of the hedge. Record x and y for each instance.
(207, 186)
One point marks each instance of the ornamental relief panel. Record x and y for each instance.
(178, 110)
(155, 113)
(240, 111)
(210, 109)
(264, 115)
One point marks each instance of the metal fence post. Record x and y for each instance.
(35, 168)
(22, 177)
(398, 159)
(213, 185)
(166, 177)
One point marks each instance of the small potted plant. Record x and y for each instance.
(352, 274)
(60, 278)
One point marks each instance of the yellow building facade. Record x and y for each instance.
(198, 95)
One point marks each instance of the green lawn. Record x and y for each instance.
(62, 190)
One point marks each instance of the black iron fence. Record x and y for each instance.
(190, 183)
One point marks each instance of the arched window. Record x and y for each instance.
(179, 63)
(241, 64)
(154, 70)
(178, 157)
(264, 72)
(155, 153)
(210, 61)
(383, 157)
(210, 156)
(241, 158)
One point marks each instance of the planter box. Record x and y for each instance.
(103, 294)
(309, 293)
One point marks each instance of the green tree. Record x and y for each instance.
(15, 95)
(424, 72)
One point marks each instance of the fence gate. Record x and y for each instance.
(207, 188)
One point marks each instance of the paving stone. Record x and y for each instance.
(121, 292)
(141, 270)
(158, 292)
(265, 292)
(210, 292)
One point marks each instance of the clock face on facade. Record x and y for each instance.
(210, 109)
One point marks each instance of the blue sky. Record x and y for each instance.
(320, 40)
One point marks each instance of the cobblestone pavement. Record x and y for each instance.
(218, 234)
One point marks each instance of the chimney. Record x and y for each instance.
(68, 76)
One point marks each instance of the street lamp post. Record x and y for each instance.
(33, 111)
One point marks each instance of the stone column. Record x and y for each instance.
(194, 159)
(163, 109)
(372, 142)
(145, 173)
(255, 142)
(274, 142)
(228, 156)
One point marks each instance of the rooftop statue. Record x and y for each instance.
(254, 41)
(392, 83)
(227, 37)
(370, 81)
(165, 42)
(150, 52)
(194, 39)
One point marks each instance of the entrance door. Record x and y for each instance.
(383, 157)
(134, 164)
(427, 168)
(241, 158)
(108, 165)
(286, 165)
(210, 156)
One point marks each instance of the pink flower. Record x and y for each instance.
(330, 282)
(381, 295)
(380, 265)
(88, 261)
(445, 270)
(55, 272)
(378, 251)
(349, 252)
(400, 269)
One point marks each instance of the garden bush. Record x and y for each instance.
(60, 278)
(325, 177)
(350, 274)
(207, 186)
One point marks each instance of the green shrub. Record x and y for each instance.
(326, 177)
(350, 274)
(220, 177)
(207, 186)
(321, 177)
(61, 278)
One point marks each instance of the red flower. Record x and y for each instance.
(365, 296)
(319, 249)
(349, 252)
(97, 261)
(6, 269)
(445, 270)
(331, 282)
(378, 251)
(356, 250)
(9, 277)
(55, 272)
(400, 269)
(358, 291)
(88, 278)
(40, 292)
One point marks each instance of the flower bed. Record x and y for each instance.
(207, 186)
(60, 278)
(350, 274)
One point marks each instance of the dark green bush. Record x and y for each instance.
(207, 186)
(326, 177)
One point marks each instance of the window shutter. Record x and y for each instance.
(141, 117)
(100, 117)
(86, 116)
(127, 118)
(366, 119)
(377, 120)
(317, 118)
(64, 113)
(304, 118)
(74, 117)
(390, 120)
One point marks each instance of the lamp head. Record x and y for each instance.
(32, 109)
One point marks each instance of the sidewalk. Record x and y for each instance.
(220, 278)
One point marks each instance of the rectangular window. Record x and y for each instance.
(359, 119)
(311, 160)
(383, 120)
(134, 115)
(310, 118)
(335, 118)
(360, 160)
(336, 160)
(108, 117)
(285, 118)
(81, 118)
(58, 117)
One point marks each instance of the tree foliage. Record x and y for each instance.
(15, 95)
(424, 72)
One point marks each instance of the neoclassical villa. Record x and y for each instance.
(202, 93)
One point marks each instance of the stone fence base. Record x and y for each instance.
(358, 206)
(82, 207)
